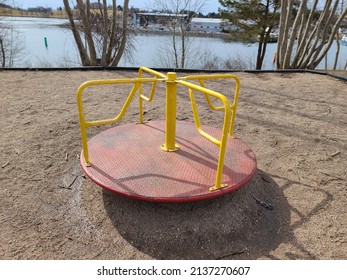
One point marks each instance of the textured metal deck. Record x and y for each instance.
(128, 160)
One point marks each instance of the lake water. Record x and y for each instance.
(148, 48)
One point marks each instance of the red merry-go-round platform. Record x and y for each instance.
(128, 160)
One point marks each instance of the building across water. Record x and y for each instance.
(158, 21)
(208, 24)
(165, 21)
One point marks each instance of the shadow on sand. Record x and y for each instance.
(235, 226)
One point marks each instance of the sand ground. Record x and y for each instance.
(296, 125)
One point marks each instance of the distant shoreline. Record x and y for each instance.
(136, 30)
(19, 13)
(191, 33)
(36, 16)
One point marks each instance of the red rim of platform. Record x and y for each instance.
(159, 198)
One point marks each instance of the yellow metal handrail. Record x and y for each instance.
(220, 143)
(233, 106)
(142, 97)
(171, 81)
(85, 124)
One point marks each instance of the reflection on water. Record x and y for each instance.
(149, 49)
(61, 47)
(26, 22)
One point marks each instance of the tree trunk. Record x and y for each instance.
(87, 31)
(312, 46)
(262, 42)
(259, 62)
(303, 42)
(293, 35)
(266, 40)
(318, 37)
(337, 50)
(314, 63)
(175, 46)
(3, 54)
(265, 35)
(81, 49)
(183, 46)
(113, 32)
(105, 33)
(121, 48)
(302, 26)
(287, 13)
(325, 35)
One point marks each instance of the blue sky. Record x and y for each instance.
(212, 5)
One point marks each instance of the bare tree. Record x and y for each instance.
(2, 53)
(170, 57)
(303, 43)
(337, 50)
(181, 12)
(2, 47)
(12, 47)
(338, 34)
(12, 44)
(104, 31)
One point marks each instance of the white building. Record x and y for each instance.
(207, 24)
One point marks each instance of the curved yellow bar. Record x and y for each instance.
(151, 96)
(85, 124)
(220, 143)
(201, 79)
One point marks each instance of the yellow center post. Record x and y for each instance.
(170, 125)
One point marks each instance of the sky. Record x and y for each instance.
(212, 5)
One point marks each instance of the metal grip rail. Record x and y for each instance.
(85, 124)
(171, 82)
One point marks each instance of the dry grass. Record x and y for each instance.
(20, 13)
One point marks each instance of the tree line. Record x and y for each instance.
(305, 33)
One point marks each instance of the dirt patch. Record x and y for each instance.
(295, 124)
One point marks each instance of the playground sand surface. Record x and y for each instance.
(296, 125)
